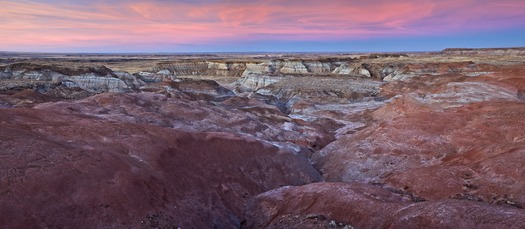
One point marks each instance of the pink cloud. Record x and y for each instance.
(135, 22)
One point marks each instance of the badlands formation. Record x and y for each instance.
(416, 140)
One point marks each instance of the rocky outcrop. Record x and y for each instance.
(270, 67)
(319, 67)
(203, 68)
(293, 67)
(391, 68)
(343, 69)
(203, 89)
(357, 70)
(254, 82)
(96, 84)
(131, 80)
(44, 77)
(150, 77)
(259, 69)
(183, 67)
(225, 69)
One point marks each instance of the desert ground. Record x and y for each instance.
(263, 140)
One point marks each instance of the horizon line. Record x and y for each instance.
(247, 52)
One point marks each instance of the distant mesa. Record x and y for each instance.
(488, 51)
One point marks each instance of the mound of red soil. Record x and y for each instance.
(346, 205)
(66, 170)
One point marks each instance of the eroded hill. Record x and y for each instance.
(282, 141)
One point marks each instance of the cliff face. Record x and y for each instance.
(387, 70)
(270, 67)
(92, 79)
(253, 82)
(293, 67)
(203, 68)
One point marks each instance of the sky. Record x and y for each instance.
(130, 26)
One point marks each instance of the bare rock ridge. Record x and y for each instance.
(265, 141)
(93, 79)
(378, 66)
(272, 67)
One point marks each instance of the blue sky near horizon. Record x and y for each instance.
(259, 26)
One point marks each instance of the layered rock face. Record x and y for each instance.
(266, 68)
(96, 79)
(242, 68)
(391, 68)
(413, 141)
(293, 67)
(253, 82)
